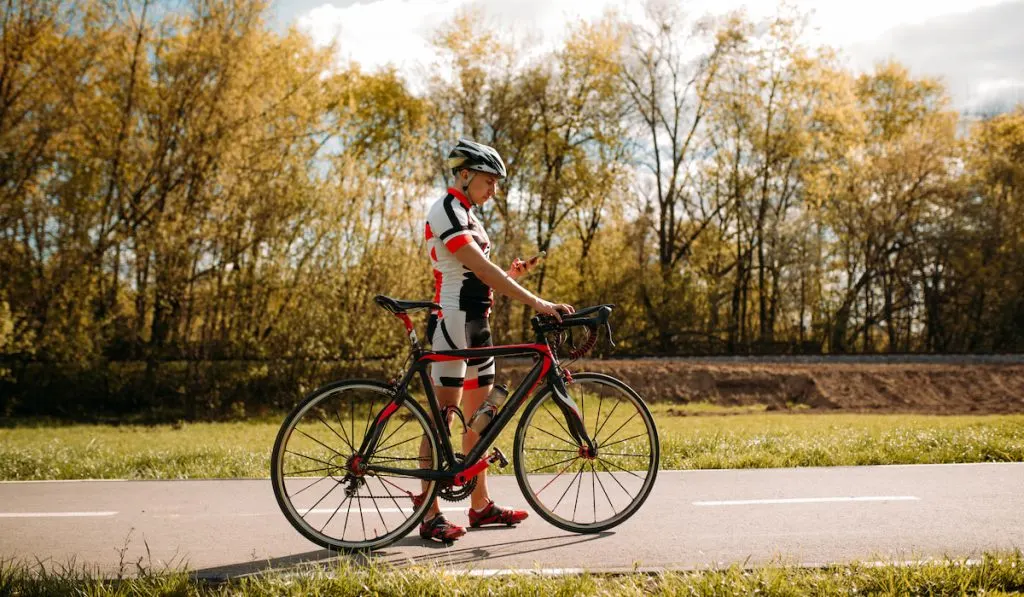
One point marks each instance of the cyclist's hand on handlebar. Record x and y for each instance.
(555, 310)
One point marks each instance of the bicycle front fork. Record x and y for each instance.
(571, 412)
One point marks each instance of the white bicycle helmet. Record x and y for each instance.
(477, 157)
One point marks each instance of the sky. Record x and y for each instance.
(975, 46)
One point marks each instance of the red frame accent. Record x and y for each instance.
(405, 319)
(392, 407)
(469, 473)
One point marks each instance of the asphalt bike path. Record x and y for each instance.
(692, 520)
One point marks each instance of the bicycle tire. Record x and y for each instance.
(333, 448)
(619, 470)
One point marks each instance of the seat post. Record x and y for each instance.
(410, 330)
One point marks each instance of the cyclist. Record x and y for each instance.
(464, 280)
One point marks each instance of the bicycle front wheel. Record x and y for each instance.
(577, 491)
(312, 474)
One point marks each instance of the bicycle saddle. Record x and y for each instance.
(399, 306)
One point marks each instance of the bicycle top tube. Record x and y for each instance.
(503, 350)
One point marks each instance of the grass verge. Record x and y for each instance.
(992, 574)
(45, 450)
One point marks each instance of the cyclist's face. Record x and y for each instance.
(482, 187)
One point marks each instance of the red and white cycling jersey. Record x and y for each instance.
(451, 224)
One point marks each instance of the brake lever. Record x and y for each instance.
(608, 328)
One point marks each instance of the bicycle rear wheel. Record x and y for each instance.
(315, 486)
(569, 488)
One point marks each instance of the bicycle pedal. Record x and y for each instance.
(497, 456)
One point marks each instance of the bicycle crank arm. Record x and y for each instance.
(479, 466)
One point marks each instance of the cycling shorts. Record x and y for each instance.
(453, 329)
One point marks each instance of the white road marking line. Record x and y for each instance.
(867, 498)
(488, 572)
(372, 510)
(52, 514)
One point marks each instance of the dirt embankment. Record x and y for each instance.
(855, 387)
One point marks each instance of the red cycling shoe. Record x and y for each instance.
(494, 514)
(438, 528)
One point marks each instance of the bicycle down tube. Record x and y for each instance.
(543, 368)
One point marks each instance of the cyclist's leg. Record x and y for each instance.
(479, 381)
(472, 399)
(445, 397)
(448, 377)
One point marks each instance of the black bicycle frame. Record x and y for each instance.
(545, 367)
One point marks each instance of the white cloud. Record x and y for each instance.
(379, 32)
(375, 33)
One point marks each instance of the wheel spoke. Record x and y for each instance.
(310, 458)
(554, 464)
(561, 439)
(578, 487)
(620, 468)
(322, 498)
(603, 490)
(379, 513)
(319, 442)
(369, 416)
(400, 488)
(312, 470)
(348, 513)
(614, 478)
(597, 421)
(606, 419)
(593, 488)
(557, 422)
(623, 440)
(392, 434)
(388, 491)
(362, 519)
(623, 425)
(404, 441)
(625, 455)
(555, 478)
(333, 514)
(574, 477)
(305, 488)
(326, 424)
(349, 441)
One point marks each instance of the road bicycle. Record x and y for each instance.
(357, 464)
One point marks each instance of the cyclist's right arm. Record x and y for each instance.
(473, 258)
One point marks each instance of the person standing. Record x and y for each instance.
(465, 280)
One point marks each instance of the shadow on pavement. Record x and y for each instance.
(444, 556)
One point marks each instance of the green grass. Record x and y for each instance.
(993, 574)
(42, 450)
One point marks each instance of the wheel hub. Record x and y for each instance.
(355, 465)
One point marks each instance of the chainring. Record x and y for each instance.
(452, 493)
